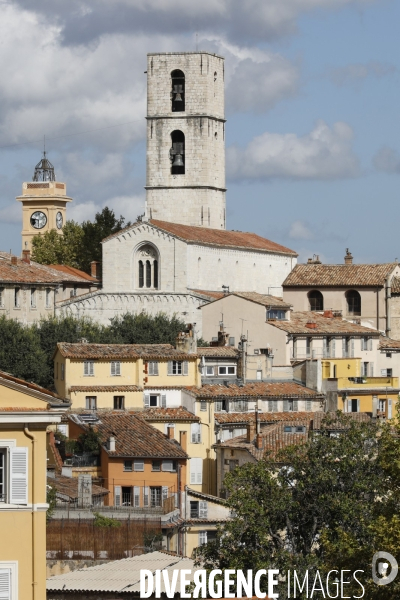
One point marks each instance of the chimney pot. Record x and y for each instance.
(14, 260)
(111, 444)
(259, 441)
(348, 259)
(26, 256)
(183, 440)
(328, 314)
(170, 432)
(251, 432)
(95, 269)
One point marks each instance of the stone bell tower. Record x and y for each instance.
(185, 180)
(44, 203)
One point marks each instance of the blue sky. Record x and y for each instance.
(313, 150)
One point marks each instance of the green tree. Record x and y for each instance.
(59, 249)
(89, 441)
(143, 328)
(328, 498)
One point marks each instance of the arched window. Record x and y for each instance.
(316, 300)
(353, 299)
(141, 274)
(148, 274)
(177, 153)
(147, 261)
(178, 91)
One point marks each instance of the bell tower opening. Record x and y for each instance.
(178, 91)
(177, 153)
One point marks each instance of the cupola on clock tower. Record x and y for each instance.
(44, 203)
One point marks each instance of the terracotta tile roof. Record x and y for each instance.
(312, 275)
(68, 486)
(264, 299)
(21, 409)
(121, 351)
(396, 285)
(134, 437)
(219, 352)
(255, 390)
(273, 417)
(32, 386)
(209, 497)
(32, 272)
(324, 325)
(105, 388)
(168, 414)
(385, 342)
(205, 521)
(73, 271)
(209, 294)
(274, 439)
(214, 237)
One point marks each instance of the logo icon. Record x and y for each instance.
(380, 565)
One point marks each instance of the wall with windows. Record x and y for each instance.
(25, 303)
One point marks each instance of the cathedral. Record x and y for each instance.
(180, 255)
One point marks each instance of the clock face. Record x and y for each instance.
(38, 219)
(59, 220)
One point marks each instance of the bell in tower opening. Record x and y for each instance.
(177, 153)
(178, 91)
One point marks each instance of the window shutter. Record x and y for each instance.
(18, 475)
(136, 496)
(270, 406)
(170, 367)
(203, 510)
(389, 408)
(112, 368)
(196, 470)
(348, 405)
(285, 406)
(155, 368)
(352, 347)
(371, 369)
(185, 367)
(145, 496)
(370, 343)
(138, 465)
(374, 405)
(5, 584)
(295, 405)
(167, 465)
(86, 368)
(358, 406)
(195, 433)
(343, 347)
(163, 400)
(333, 347)
(146, 400)
(117, 495)
(308, 405)
(325, 347)
(164, 492)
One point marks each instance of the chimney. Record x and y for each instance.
(311, 324)
(259, 441)
(14, 260)
(348, 259)
(186, 341)
(251, 431)
(314, 260)
(95, 269)
(183, 440)
(328, 314)
(26, 256)
(170, 432)
(111, 444)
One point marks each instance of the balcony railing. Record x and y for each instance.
(83, 460)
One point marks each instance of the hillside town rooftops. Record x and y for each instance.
(16, 270)
(314, 323)
(345, 275)
(213, 237)
(121, 351)
(255, 390)
(134, 438)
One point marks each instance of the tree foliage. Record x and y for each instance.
(77, 245)
(333, 504)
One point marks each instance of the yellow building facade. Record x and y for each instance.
(26, 410)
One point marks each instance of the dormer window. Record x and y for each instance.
(177, 153)
(178, 91)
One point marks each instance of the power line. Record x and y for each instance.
(59, 137)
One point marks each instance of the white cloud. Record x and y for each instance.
(324, 153)
(354, 74)
(11, 214)
(387, 160)
(128, 206)
(300, 231)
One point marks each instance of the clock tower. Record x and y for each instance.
(44, 203)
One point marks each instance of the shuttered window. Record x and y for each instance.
(163, 400)
(88, 368)
(195, 433)
(168, 465)
(178, 367)
(203, 510)
(18, 475)
(5, 584)
(164, 492)
(147, 400)
(138, 465)
(308, 405)
(136, 496)
(115, 368)
(202, 537)
(196, 471)
(117, 495)
(146, 496)
(153, 367)
(273, 405)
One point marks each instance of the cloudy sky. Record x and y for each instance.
(312, 88)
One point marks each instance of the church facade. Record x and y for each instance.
(180, 255)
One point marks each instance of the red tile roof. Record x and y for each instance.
(134, 437)
(122, 351)
(219, 352)
(316, 275)
(273, 417)
(324, 325)
(30, 385)
(168, 414)
(255, 390)
(395, 285)
(105, 388)
(388, 343)
(214, 237)
(32, 272)
(73, 271)
(68, 486)
(211, 295)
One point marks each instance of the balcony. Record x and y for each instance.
(367, 382)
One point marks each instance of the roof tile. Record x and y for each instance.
(324, 325)
(32, 272)
(255, 390)
(316, 275)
